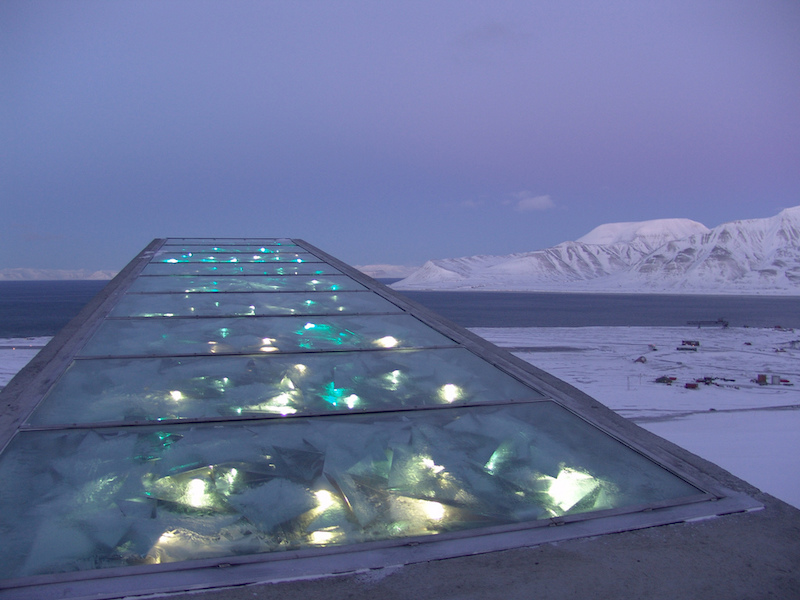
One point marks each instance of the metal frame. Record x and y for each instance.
(24, 392)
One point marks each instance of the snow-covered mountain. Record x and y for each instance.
(666, 255)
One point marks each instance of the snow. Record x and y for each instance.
(746, 428)
(15, 353)
(659, 231)
(756, 256)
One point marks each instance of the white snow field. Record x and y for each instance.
(752, 430)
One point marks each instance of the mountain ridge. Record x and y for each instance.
(755, 256)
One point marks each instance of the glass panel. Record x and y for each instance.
(128, 496)
(141, 389)
(297, 283)
(309, 268)
(230, 248)
(221, 257)
(229, 241)
(180, 336)
(250, 304)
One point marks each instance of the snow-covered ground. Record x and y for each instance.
(15, 354)
(749, 429)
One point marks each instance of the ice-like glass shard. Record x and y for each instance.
(239, 268)
(267, 246)
(269, 255)
(148, 389)
(180, 336)
(112, 497)
(249, 304)
(190, 284)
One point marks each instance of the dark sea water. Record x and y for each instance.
(537, 309)
(34, 308)
(38, 308)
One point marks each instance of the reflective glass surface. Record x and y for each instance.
(222, 257)
(244, 241)
(239, 268)
(85, 499)
(295, 283)
(141, 389)
(258, 335)
(251, 304)
(230, 248)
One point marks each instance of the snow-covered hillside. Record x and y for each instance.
(756, 256)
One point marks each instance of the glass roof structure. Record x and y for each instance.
(228, 400)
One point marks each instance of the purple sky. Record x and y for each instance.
(387, 132)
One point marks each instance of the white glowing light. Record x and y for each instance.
(570, 487)
(172, 260)
(301, 368)
(351, 400)
(433, 510)
(268, 349)
(176, 395)
(325, 499)
(169, 314)
(167, 536)
(321, 537)
(196, 493)
(387, 342)
(429, 464)
(450, 392)
(309, 326)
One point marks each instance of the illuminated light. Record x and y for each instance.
(334, 287)
(321, 537)
(234, 260)
(267, 341)
(171, 260)
(176, 395)
(325, 499)
(309, 326)
(167, 537)
(387, 342)
(429, 464)
(394, 379)
(450, 392)
(212, 343)
(268, 349)
(351, 400)
(570, 487)
(341, 308)
(224, 332)
(301, 368)
(196, 493)
(169, 314)
(433, 510)
(309, 302)
(192, 309)
(315, 281)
